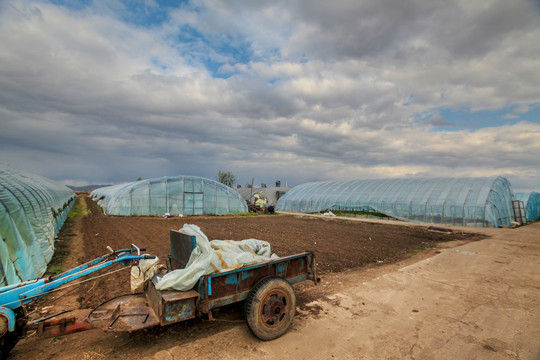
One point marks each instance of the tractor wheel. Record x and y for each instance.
(270, 308)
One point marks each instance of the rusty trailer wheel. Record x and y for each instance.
(270, 308)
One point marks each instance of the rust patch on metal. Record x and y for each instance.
(125, 313)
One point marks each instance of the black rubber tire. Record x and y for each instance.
(270, 308)
(7, 343)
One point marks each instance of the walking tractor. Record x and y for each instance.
(270, 301)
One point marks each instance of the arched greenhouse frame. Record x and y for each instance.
(32, 212)
(186, 195)
(531, 203)
(481, 202)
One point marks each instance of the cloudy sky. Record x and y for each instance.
(107, 91)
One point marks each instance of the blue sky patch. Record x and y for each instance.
(73, 4)
(212, 50)
(455, 120)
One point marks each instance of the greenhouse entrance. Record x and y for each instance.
(193, 203)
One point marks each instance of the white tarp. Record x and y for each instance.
(214, 256)
(142, 272)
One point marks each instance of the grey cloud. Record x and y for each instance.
(352, 29)
(438, 120)
(488, 28)
(111, 102)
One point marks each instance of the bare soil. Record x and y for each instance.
(339, 245)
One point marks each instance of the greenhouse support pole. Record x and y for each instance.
(484, 204)
(463, 208)
(431, 206)
(167, 196)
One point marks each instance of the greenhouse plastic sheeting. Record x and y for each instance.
(482, 202)
(531, 202)
(186, 195)
(214, 256)
(32, 211)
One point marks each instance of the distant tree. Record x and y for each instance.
(227, 178)
(139, 178)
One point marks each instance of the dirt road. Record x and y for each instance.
(455, 300)
(476, 301)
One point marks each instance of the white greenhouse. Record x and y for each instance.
(483, 202)
(186, 195)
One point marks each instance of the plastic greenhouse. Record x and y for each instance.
(482, 202)
(186, 195)
(32, 212)
(531, 202)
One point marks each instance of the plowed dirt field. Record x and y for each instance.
(339, 245)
